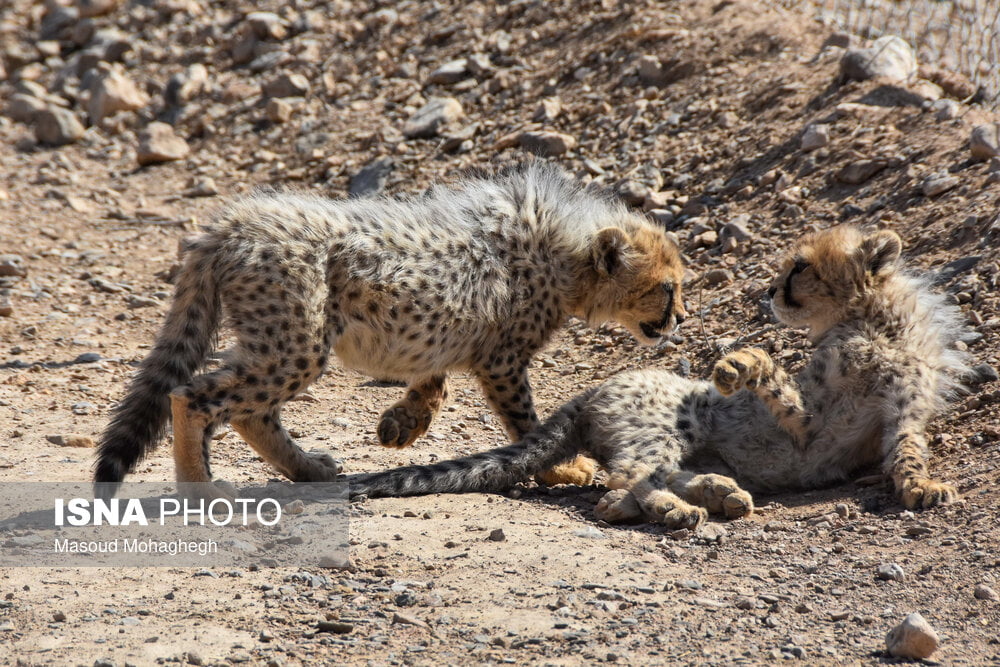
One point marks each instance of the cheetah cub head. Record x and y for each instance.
(639, 274)
(828, 273)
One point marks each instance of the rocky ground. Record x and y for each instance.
(731, 122)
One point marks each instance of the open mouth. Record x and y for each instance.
(649, 330)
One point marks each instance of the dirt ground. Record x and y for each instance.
(705, 133)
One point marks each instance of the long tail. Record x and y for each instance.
(555, 441)
(184, 341)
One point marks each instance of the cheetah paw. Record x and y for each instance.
(318, 467)
(721, 495)
(924, 493)
(402, 424)
(743, 368)
(618, 506)
(678, 515)
(579, 471)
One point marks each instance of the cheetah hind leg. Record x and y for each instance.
(717, 493)
(192, 434)
(618, 506)
(579, 471)
(410, 417)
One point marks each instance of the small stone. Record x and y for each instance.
(431, 118)
(185, 86)
(278, 110)
(937, 184)
(158, 143)
(914, 638)
(860, 171)
(632, 192)
(890, 57)
(745, 603)
(718, 277)
(705, 239)
(335, 627)
(651, 71)
(497, 535)
(105, 662)
(56, 126)
(985, 141)
(546, 144)
(548, 110)
(983, 373)
(91, 8)
(452, 71)
(24, 108)
(193, 658)
(112, 92)
(372, 178)
(286, 85)
(984, 592)
(890, 572)
(589, 533)
(816, 136)
(58, 616)
(202, 187)
(662, 216)
(266, 25)
(71, 440)
(946, 109)
(12, 265)
(294, 507)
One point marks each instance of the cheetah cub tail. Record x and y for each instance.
(183, 343)
(556, 441)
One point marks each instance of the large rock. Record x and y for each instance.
(913, 639)
(56, 126)
(890, 57)
(158, 143)
(431, 118)
(985, 141)
(113, 92)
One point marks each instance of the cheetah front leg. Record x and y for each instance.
(905, 460)
(753, 369)
(509, 394)
(410, 417)
(648, 490)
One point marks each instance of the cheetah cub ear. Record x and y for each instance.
(880, 251)
(608, 250)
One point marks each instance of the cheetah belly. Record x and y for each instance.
(408, 354)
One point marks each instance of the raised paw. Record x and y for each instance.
(579, 471)
(924, 493)
(618, 506)
(744, 368)
(720, 495)
(318, 467)
(403, 423)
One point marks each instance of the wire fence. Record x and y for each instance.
(959, 35)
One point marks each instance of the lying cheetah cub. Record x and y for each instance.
(884, 364)
(475, 277)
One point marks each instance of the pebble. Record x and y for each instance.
(984, 592)
(946, 109)
(24, 108)
(984, 142)
(546, 144)
(286, 85)
(12, 265)
(185, 86)
(336, 627)
(983, 373)
(589, 533)
(939, 183)
(497, 535)
(890, 57)
(56, 126)
(434, 116)
(452, 71)
(278, 110)
(890, 572)
(719, 277)
(158, 143)
(548, 110)
(860, 171)
(202, 187)
(71, 439)
(91, 8)
(914, 638)
(816, 136)
(372, 178)
(58, 616)
(112, 92)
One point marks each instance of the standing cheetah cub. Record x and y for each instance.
(884, 365)
(476, 277)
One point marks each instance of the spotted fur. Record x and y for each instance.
(474, 277)
(885, 363)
